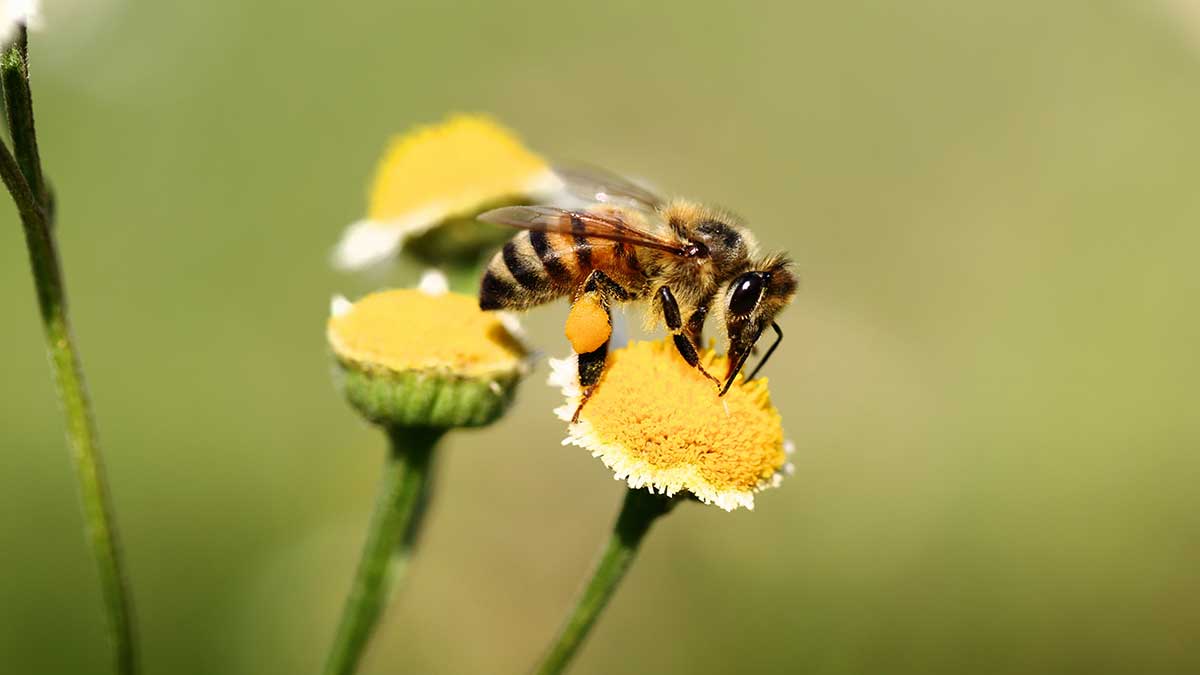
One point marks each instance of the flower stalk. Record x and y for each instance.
(416, 363)
(639, 511)
(390, 537)
(22, 175)
(18, 101)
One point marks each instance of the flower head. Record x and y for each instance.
(414, 358)
(658, 423)
(440, 176)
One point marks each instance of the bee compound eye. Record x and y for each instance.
(745, 293)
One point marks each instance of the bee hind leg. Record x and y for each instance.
(591, 367)
(683, 341)
(597, 292)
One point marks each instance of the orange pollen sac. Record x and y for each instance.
(588, 325)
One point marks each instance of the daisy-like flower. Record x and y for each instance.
(417, 362)
(658, 424)
(430, 184)
(426, 357)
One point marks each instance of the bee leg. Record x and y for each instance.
(599, 282)
(600, 288)
(683, 343)
(591, 367)
(695, 325)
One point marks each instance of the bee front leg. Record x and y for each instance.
(683, 341)
(589, 328)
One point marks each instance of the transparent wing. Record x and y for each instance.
(630, 228)
(595, 184)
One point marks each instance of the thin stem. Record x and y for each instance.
(638, 513)
(18, 102)
(391, 535)
(19, 174)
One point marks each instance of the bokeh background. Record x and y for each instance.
(989, 375)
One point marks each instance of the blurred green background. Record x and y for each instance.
(989, 373)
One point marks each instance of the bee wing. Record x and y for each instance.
(595, 184)
(608, 225)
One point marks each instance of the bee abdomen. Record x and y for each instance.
(555, 252)
(518, 278)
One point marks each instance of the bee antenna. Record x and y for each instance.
(762, 362)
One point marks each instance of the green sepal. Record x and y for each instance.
(427, 398)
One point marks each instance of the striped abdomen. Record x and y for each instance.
(536, 267)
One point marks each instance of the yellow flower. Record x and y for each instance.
(658, 423)
(438, 173)
(410, 358)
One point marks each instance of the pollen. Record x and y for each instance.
(658, 423)
(408, 330)
(588, 325)
(450, 167)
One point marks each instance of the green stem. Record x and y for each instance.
(638, 513)
(19, 174)
(398, 512)
(18, 101)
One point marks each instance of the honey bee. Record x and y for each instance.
(628, 245)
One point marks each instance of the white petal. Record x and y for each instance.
(339, 305)
(434, 282)
(564, 374)
(366, 242)
(28, 12)
(15, 13)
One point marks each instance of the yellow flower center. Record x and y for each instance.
(659, 422)
(464, 162)
(407, 329)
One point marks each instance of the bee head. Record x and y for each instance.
(750, 303)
